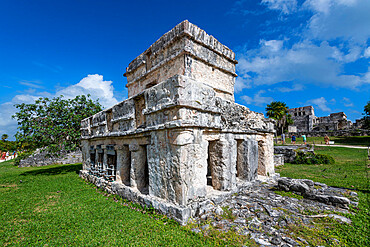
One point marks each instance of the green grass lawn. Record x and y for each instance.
(52, 205)
(351, 171)
(339, 140)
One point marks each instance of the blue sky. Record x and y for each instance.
(302, 52)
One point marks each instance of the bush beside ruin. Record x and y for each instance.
(312, 158)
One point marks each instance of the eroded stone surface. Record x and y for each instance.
(265, 216)
(179, 141)
(315, 191)
(42, 158)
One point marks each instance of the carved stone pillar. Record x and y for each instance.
(139, 168)
(247, 159)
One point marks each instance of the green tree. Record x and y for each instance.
(4, 137)
(366, 118)
(279, 111)
(53, 123)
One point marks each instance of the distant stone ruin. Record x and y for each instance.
(179, 139)
(306, 122)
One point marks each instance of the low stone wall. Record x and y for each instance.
(289, 152)
(41, 158)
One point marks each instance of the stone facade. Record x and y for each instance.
(179, 139)
(305, 121)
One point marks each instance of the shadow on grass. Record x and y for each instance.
(63, 169)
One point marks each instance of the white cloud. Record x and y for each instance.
(271, 45)
(257, 99)
(304, 62)
(295, 87)
(91, 84)
(346, 19)
(32, 84)
(321, 103)
(336, 34)
(7, 110)
(321, 6)
(347, 102)
(285, 6)
(242, 82)
(367, 75)
(367, 52)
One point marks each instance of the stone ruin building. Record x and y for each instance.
(305, 121)
(179, 139)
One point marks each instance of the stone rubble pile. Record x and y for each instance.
(263, 215)
(42, 158)
(316, 191)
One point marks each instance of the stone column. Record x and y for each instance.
(266, 155)
(247, 159)
(123, 165)
(85, 154)
(105, 160)
(139, 174)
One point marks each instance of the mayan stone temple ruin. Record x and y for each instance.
(179, 139)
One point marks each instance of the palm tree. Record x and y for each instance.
(366, 118)
(279, 111)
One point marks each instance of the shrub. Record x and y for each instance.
(311, 158)
(22, 156)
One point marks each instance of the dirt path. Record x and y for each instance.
(342, 146)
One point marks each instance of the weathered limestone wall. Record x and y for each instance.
(247, 159)
(184, 50)
(266, 155)
(177, 102)
(179, 139)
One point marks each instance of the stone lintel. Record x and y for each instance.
(183, 52)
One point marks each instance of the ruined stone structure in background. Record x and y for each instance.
(305, 121)
(179, 140)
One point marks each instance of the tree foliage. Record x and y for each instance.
(4, 137)
(8, 146)
(54, 123)
(366, 117)
(279, 111)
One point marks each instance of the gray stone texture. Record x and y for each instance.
(179, 128)
(267, 217)
(42, 158)
(278, 159)
(319, 193)
(290, 152)
(247, 159)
